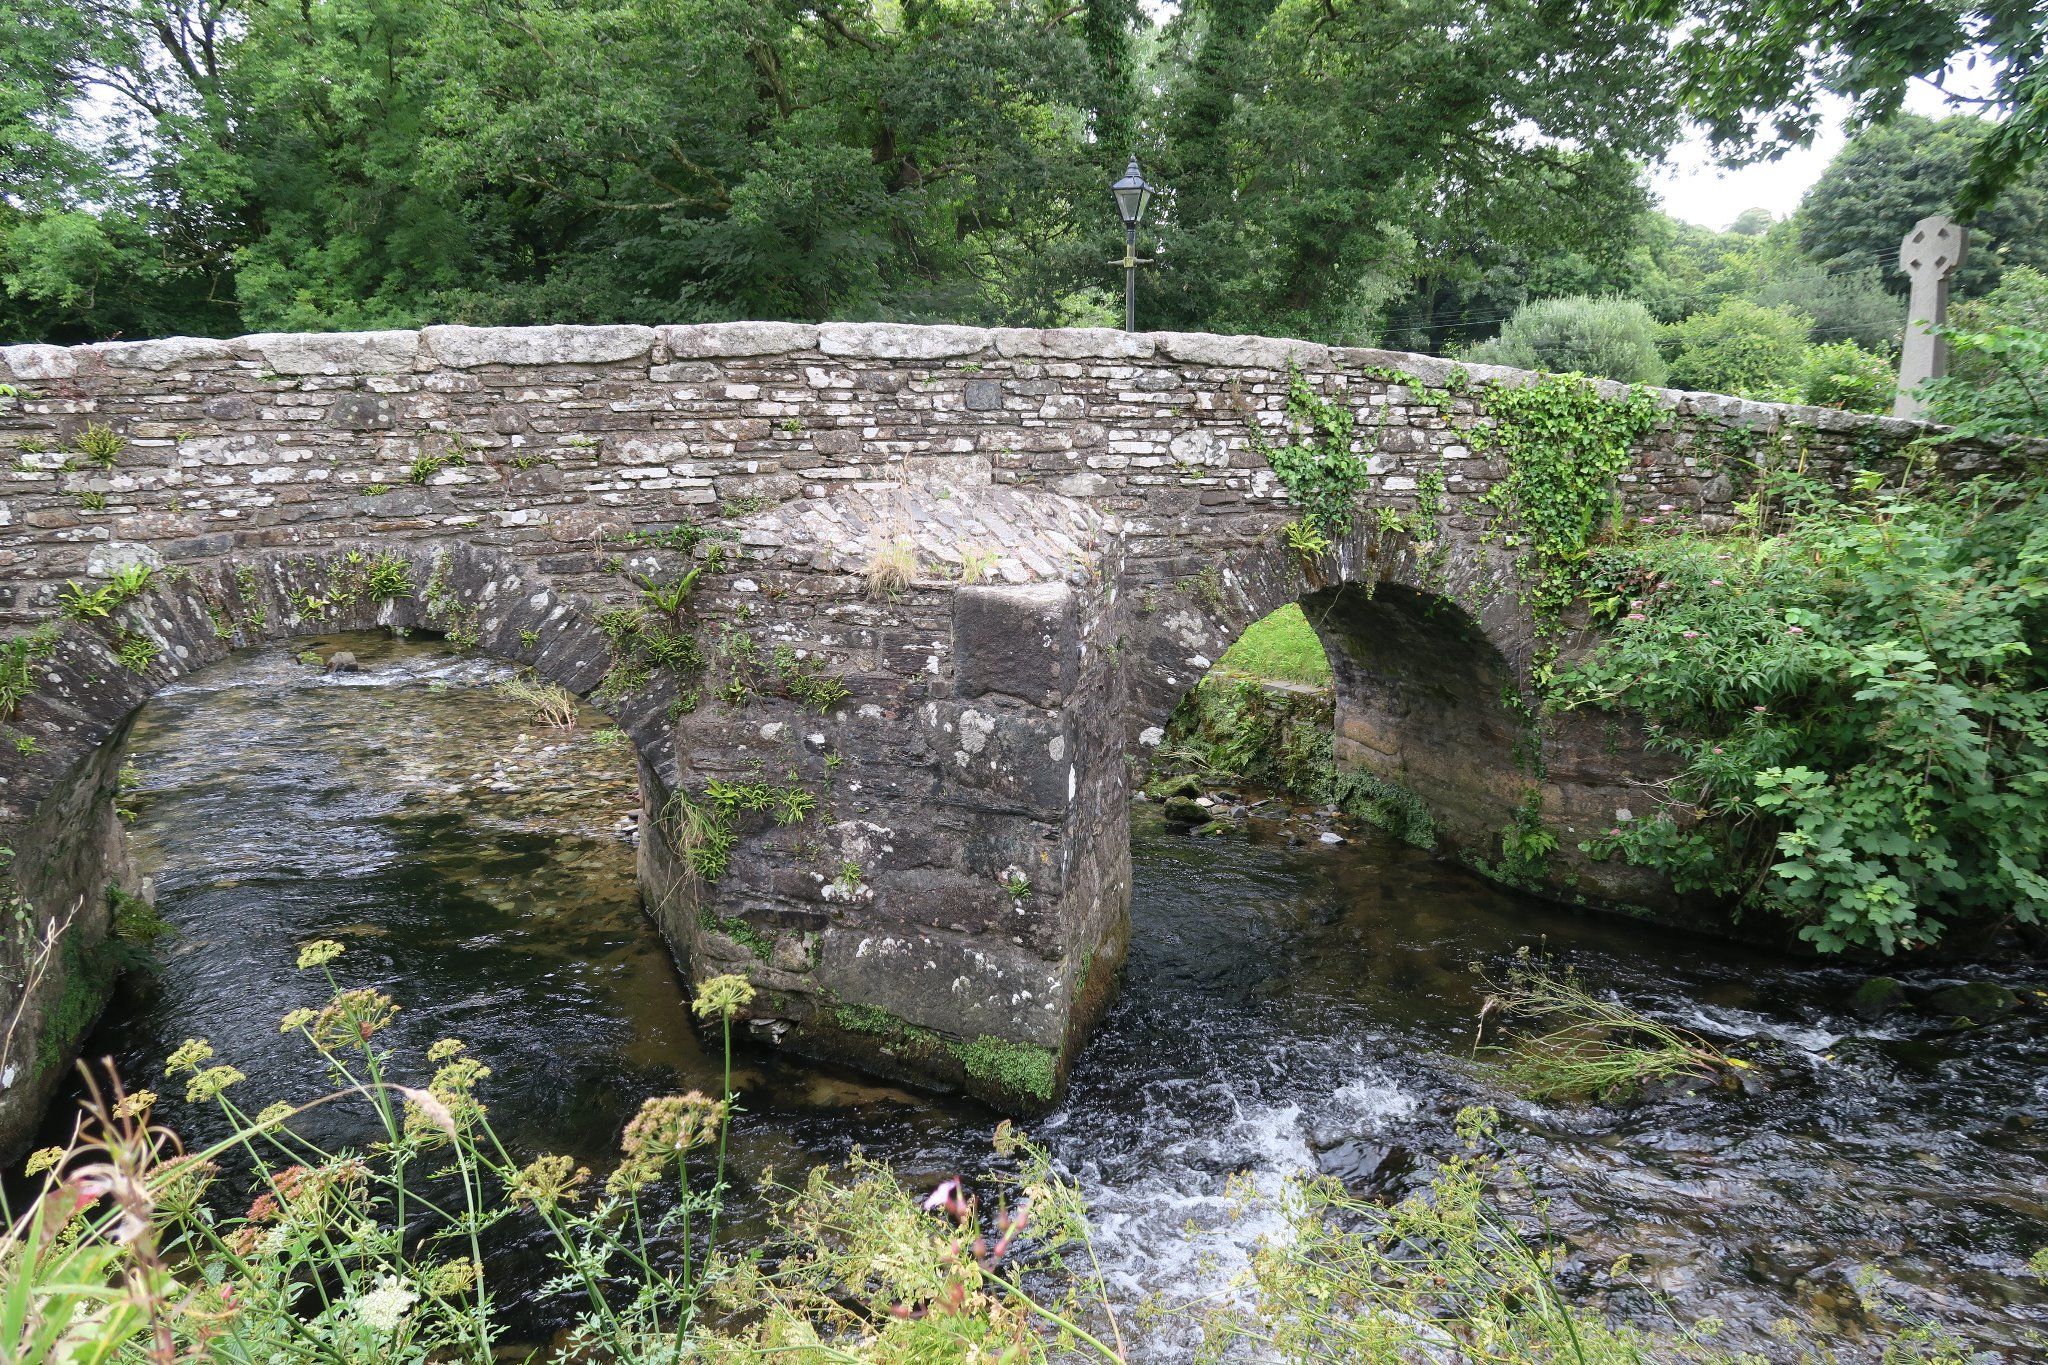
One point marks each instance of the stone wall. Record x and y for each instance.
(929, 872)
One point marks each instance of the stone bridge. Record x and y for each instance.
(948, 581)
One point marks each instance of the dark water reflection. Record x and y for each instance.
(1285, 1006)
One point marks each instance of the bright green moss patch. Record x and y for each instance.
(1015, 1068)
(1282, 647)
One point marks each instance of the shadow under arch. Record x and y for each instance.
(63, 844)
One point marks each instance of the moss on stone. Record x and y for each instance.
(87, 977)
(738, 930)
(1389, 805)
(1013, 1068)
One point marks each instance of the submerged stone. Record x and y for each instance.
(1879, 995)
(1979, 1000)
(1181, 810)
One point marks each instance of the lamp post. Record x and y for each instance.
(1133, 195)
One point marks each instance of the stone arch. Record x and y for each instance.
(57, 789)
(1436, 733)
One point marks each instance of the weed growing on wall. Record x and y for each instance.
(1562, 444)
(1322, 475)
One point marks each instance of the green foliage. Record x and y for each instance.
(1525, 844)
(100, 445)
(1320, 471)
(1760, 85)
(388, 579)
(1236, 730)
(81, 603)
(736, 929)
(2010, 395)
(18, 659)
(1740, 348)
(1857, 697)
(1385, 804)
(135, 920)
(1565, 1043)
(1021, 1069)
(1894, 174)
(1607, 338)
(1841, 374)
(135, 651)
(1562, 444)
(430, 463)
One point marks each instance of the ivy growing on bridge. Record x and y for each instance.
(1563, 443)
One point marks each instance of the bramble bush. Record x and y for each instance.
(1856, 691)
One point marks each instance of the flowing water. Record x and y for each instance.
(1288, 1005)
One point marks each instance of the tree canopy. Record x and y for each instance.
(1407, 173)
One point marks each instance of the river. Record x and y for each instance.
(1288, 1004)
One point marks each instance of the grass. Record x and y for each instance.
(891, 568)
(548, 703)
(1279, 647)
(1564, 1043)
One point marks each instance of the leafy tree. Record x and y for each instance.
(1891, 176)
(1606, 338)
(2002, 390)
(1756, 72)
(1740, 348)
(1498, 128)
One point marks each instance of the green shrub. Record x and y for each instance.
(2009, 394)
(1740, 348)
(1605, 338)
(1841, 374)
(1858, 695)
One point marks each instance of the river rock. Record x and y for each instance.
(1166, 788)
(1366, 1165)
(1182, 810)
(1978, 1000)
(342, 661)
(1878, 996)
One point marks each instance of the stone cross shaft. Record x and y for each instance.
(1930, 254)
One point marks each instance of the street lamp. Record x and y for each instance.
(1133, 195)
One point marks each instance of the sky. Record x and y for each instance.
(1692, 188)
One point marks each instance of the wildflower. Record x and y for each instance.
(1637, 616)
(134, 1104)
(1714, 583)
(180, 1183)
(548, 1182)
(446, 1048)
(1795, 630)
(723, 996)
(296, 1020)
(1717, 748)
(318, 953)
(43, 1159)
(210, 1083)
(274, 1113)
(943, 1197)
(1667, 507)
(384, 1308)
(1690, 634)
(353, 1017)
(452, 1278)
(667, 1126)
(449, 1101)
(192, 1054)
